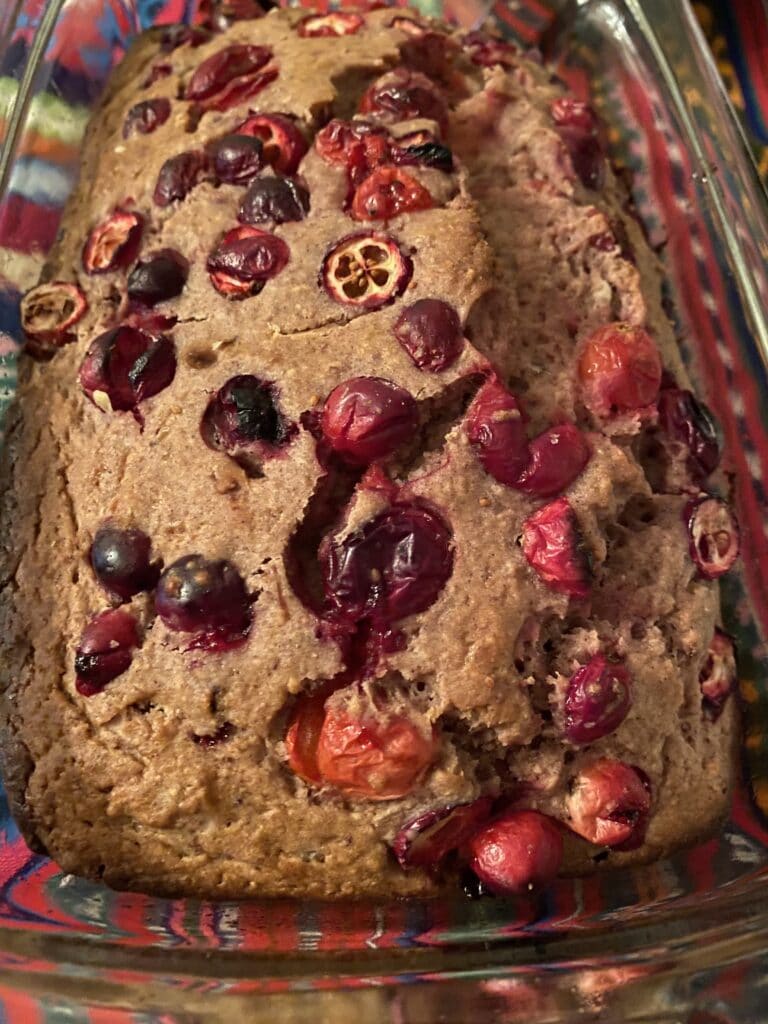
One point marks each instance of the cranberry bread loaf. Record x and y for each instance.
(355, 525)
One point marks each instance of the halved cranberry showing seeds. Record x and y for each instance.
(125, 366)
(518, 852)
(597, 699)
(495, 426)
(235, 159)
(714, 537)
(557, 457)
(274, 199)
(552, 546)
(366, 270)
(717, 678)
(143, 118)
(223, 67)
(404, 95)
(486, 51)
(48, 314)
(157, 278)
(196, 595)
(620, 370)
(243, 416)
(337, 23)
(388, 192)
(178, 176)
(578, 127)
(113, 243)
(284, 145)
(425, 840)
(105, 650)
(120, 559)
(244, 260)
(688, 422)
(368, 418)
(609, 804)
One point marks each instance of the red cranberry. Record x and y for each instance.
(213, 739)
(578, 127)
(178, 176)
(495, 426)
(426, 839)
(223, 67)
(48, 314)
(234, 94)
(143, 118)
(195, 595)
(303, 734)
(427, 154)
(337, 23)
(105, 651)
(404, 95)
(274, 199)
(430, 332)
(487, 51)
(552, 545)
(366, 270)
(686, 420)
(158, 278)
(557, 457)
(244, 414)
(518, 852)
(597, 700)
(368, 418)
(394, 566)
(713, 535)
(359, 146)
(120, 560)
(175, 36)
(125, 366)
(610, 803)
(284, 145)
(244, 260)
(113, 243)
(717, 678)
(157, 71)
(235, 159)
(620, 370)
(388, 192)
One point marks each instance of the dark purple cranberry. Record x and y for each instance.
(223, 67)
(244, 414)
(213, 739)
(121, 561)
(714, 537)
(717, 678)
(429, 154)
(105, 650)
(178, 176)
(597, 700)
(430, 332)
(174, 36)
(274, 199)
(144, 117)
(403, 95)
(495, 426)
(235, 159)
(124, 366)
(577, 126)
(158, 278)
(195, 595)
(244, 260)
(159, 70)
(426, 839)
(368, 418)
(686, 420)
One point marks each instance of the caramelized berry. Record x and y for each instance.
(518, 852)
(195, 595)
(430, 332)
(620, 370)
(244, 260)
(125, 366)
(48, 314)
(113, 243)
(143, 118)
(713, 533)
(368, 418)
(282, 142)
(158, 278)
(366, 270)
(105, 651)
(552, 546)
(235, 159)
(274, 200)
(244, 414)
(609, 804)
(388, 192)
(597, 700)
(121, 561)
(427, 154)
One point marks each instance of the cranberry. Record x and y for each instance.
(175, 36)
(105, 650)
(235, 159)
(686, 420)
(120, 560)
(338, 23)
(284, 145)
(387, 192)
(487, 51)
(213, 739)
(428, 154)
(426, 839)
(552, 546)
(394, 566)
(410, 26)
(244, 414)
(557, 457)
(610, 803)
(495, 426)
(157, 72)
(125, 366)
(430, 332)
(244, 260)
(146, 116)
(713, 535)
(717, 678)
(232, 95)
(577, 126)
(158, 278)
(619, 369)
(178, 176)
(113, 243)
(359, 146)
(404, 95)
(597, 700)
(303, 734)
(195, 595)
(274, 199)
(368, 418)
(223, 67)
(517, 852)
(366, 270)
(48, 314)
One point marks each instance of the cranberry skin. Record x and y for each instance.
(244, 260)
(553, 548)
(368, 418)
(235, 159)
(178, 176)
(495, 426)
(215, 73)
(486, 51)
(425, 840)
(430, 332)
(338, 23)
(283, 144)
(113, 243)
(620, 370)
(427, 154)
(360, 146)
(159, 278)
(557, 458)
(717, 679)
(518, 852)
(143, 118)
(388, 192)
(48, 314)
(303, 734)
(395, 566)
(597, 700)
(714, 536)
(244, 412)
(365, 270)
(685, 419)
(127, 366)
(105, 650)
(274, 199)
(577, 126)
(610, 803)
(195, 595)
(120, 560)
(404, 95)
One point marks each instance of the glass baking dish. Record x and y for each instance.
(663, 943)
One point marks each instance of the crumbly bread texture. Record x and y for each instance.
(114, 785)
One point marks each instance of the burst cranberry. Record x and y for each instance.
(394, 566)
(274, 199)
(713, 535)
(552, 545)
(48, 314)
(517, 852)
(120, 560)
(425, 840)
(688, 422)
(178, 176)
(105, 651)
(232, 95)
(717, 679)
(158, 278)
(244, 414)
(284, 145)
(597, 700)
(143, 118)
(426, 153)
(222, 68)
(368, 418)
(235, 159)
(577, 126)
(495, 426)
(388, 192)
(195, 595)
(609, 804)
(404, 95)
(430, 332)
(125, 366)
(359, 146)
(337, 23)
(619, 369)
(113, 243)
(244, 260)
(486, 51)
(366, 270)
(557, 457)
